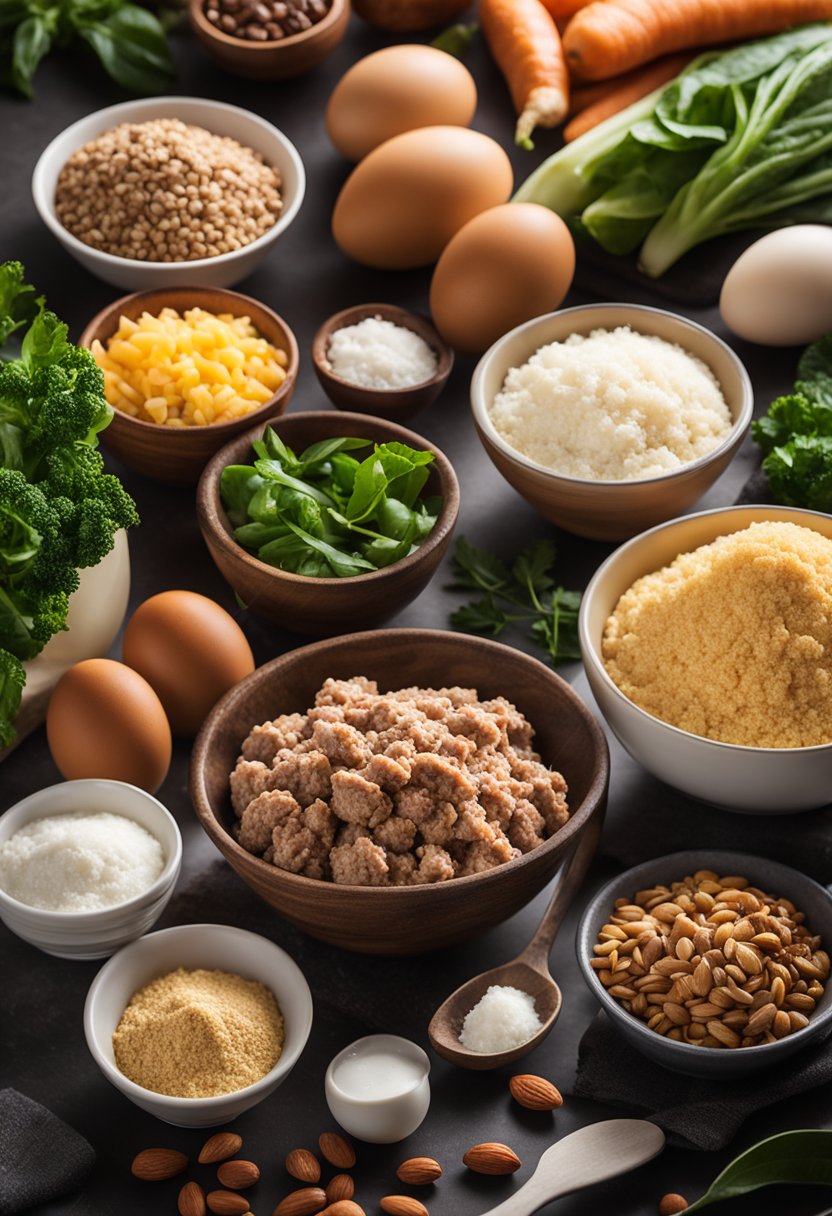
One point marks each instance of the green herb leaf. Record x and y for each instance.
(481, 616)
(45, 342)
(18, 302)
(32, 41)
(132, 47)
(796, 1157)
(325, 448)
(477, 569)
(238, 485)
(814, 372)
(531, 570)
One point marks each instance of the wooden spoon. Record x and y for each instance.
(529, 971)
(589, 1155)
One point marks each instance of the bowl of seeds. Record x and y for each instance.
(169, 191)
(269, 39)
(712, 963)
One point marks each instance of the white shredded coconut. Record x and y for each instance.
(614, 405)
(378, 354)
(79, 862)
(504, 1018)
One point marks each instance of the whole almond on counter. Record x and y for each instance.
(419, 1171)
(344, 1207)
(237, 1175)
(157, 1164)
(226, 1203)
(339, 1187)
(491, 1158)
(402, 1205)
(303, 1165)
(191, 1201)
(671, 1205)
(220, 1147)
(305, 1202)
(535, 1093)
(337, 1151)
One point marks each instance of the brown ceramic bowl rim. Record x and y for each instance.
(211, 511)
(578, 816)
(423, 328)
(97, 328)
(197, 11)
(482, 417)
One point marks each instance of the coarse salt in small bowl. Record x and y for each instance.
(98, 933)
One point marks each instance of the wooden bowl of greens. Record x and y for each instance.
(335, 522)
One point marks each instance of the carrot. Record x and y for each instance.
(525, 42)
(611, 36)
(561, 9)
(632, 86)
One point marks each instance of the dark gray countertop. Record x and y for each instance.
(42, 1049)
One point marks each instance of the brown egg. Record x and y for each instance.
(190, 651)
(504, 267)
(397, 89)
(403, 203)
(104, 720)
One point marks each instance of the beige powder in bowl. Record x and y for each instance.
(733, 641)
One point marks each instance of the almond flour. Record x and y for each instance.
(197, 1034)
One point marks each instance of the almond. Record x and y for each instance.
(191, 1200)
(303, 1165)
(419, 1171)
(220, 1147)
(237, 1175)
(337, 1151)
(226, 1203)
(344, 1207)
(535, 1093)
(156, 1164)
(305, 1202)
(491, 1159)
(339, 1187)
(402, 1205)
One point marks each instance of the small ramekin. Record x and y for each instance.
(385, 1120)
(89, 935)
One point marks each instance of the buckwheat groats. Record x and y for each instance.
(419, 785)
(166, 191)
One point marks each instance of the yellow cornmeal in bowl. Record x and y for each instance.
(733, 641)
(197, 1034)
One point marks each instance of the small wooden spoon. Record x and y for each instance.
(529, 971)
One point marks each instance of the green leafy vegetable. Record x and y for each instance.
(59, 510)
(799, 1157)
(526, 594)
(325, 513)
(796, 434)
(130, 41)
(741, 139)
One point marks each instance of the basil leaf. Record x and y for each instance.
(271, 470)
(272, 447)
(798, 1157)
(238, 485)
(345, 565)
(254, 536)
(31, 42)
(325, 448)
(132, 47)
(344, 469)
(368, 490)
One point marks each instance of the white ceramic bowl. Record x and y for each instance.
(215, 116)
(609, 510)
(214, 947)
(756, 780)
(86, 935)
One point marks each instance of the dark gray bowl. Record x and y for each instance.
(808, 896)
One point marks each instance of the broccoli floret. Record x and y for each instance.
(12, 680)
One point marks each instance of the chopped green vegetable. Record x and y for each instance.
(525, 594)
(59, 510)
(325, 513)
(803, 1157)
(796, 434)
(741, 139)
(130, 41)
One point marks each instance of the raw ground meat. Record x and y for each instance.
(390, 789)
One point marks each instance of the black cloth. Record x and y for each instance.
(703, 1114)
(41, 1157)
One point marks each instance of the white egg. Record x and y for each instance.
(779, 292)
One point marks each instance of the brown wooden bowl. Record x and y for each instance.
(396, 403)
(322, 606)
(403, 920)
(277, 60)
(175, 456)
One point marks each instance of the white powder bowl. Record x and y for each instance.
(609, 510)
(98, 933)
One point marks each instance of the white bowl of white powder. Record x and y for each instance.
(86, 866)
(611, 418)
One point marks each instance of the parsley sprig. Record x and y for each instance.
(524, 594)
